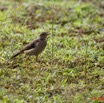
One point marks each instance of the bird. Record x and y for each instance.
(35, 47)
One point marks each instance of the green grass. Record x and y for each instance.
(75, 74)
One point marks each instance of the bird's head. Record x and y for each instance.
(44, 35)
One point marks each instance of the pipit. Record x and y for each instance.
(35, 47)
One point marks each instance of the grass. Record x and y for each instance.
(75, 74)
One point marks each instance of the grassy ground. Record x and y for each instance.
(76, 72)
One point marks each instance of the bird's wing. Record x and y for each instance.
(27, 47)
(31, 45)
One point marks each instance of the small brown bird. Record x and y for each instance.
(35, 47)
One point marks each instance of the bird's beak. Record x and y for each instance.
(47, 33)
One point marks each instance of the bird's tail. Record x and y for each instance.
(15, 55)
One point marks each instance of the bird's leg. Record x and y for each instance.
(36, 58)
(27, 57)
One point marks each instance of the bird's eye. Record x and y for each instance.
(43, 33)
